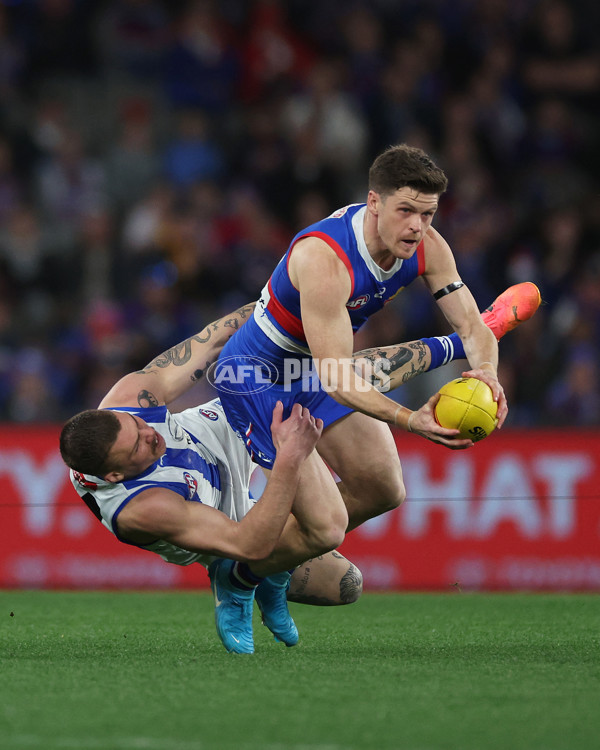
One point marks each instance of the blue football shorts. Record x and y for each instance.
(249, 409)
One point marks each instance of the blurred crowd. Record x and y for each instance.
(157, 156)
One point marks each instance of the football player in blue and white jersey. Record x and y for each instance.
(177, 484)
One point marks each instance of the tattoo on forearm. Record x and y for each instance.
(232, 323)
(246, 310)
(147, 399)
(177, 355)
(243, 313)
(418, 349)
(394, 363)
(180, 354)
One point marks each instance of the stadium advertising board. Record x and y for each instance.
(520, 510)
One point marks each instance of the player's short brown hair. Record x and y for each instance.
(86, 440)
(406, 166)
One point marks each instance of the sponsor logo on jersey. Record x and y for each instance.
(209, 414)
(89, 485)
(191, 482)
(361, 301)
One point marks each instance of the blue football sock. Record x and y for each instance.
(242, 577)
(444, 349)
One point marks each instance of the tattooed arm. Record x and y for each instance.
(173, 372)
(387, 367)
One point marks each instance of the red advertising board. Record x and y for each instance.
(520, 510)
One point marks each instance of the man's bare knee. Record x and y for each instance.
(327, 538)
(329, 533)
(388, 492)
(381, 497)
(396, 497)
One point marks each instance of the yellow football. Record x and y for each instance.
(467, 404)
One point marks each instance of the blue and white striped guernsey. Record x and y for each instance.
(204, 462)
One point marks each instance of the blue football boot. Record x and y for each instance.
(233, 609)
(271, 597)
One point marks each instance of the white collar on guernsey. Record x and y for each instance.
(377, 271)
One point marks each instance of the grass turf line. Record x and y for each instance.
(134, 671)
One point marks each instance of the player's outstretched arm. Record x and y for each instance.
(176, 370)
(162, 514)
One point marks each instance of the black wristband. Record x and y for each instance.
(447, 289)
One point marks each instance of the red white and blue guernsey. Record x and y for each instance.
(204, 462)
(268, 359)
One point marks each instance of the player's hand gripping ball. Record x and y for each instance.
(468, 405)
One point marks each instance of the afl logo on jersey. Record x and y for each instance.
(359, 302)
(191, 483)
(209, 414)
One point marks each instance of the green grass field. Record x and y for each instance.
(144, 671)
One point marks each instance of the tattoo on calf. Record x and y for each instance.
(351, 585)
(297, 593)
